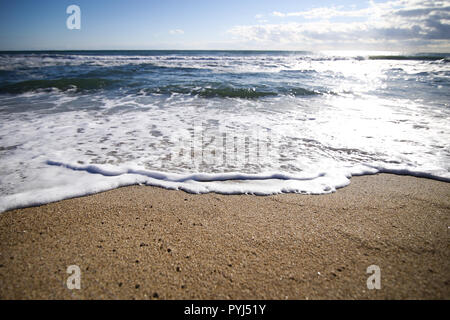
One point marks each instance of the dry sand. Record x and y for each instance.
(149, 243)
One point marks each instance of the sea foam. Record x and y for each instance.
(234, 123)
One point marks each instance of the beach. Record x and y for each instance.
(230, 151)
(142, 242)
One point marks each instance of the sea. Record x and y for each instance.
(74, 123)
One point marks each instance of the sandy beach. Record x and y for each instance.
(143, 242)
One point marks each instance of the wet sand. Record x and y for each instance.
(144, 242)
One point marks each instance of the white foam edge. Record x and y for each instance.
(100, 178)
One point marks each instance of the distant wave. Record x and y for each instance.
(205, 90)
(228, 92)
(77, 84)
(231, 92)
(413, 57)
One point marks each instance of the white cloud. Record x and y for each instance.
(398, 23)
(278, 14)
(176, 31)
(324, 12)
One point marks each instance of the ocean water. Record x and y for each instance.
(232, 122)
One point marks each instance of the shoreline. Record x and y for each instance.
(142, 242)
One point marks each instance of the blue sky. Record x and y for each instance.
(233, 24)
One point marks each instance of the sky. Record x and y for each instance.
(395, 25)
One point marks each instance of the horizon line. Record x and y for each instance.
(225, 50)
